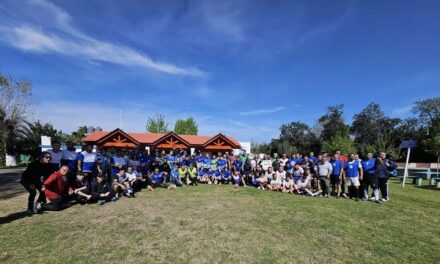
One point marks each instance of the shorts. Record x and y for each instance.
(371, 181)
(353, 181)
(334, 179)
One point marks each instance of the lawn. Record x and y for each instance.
(218, 224)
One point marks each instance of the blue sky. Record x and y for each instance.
(239, 67)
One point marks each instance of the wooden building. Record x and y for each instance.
(120, 139)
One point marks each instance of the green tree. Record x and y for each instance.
(157, 124)
(429, 114)
(339, 142)
(186, 126)
(333, 123)
(295, 137)
(15, 103)
(77, 136)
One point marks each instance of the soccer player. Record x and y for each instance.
(69, 158)
(117, 162)
(370, 178)
(354, 173)
(176, 174)
(336, 175)
(32, 180)
(56, 156)
(88, 163)
(323, 169)
(302, 183)
(192, 174)
(226, 176)
(206, 162)
(266, 162)
(383, 167)
(157, 180)
(275, 183)
(121, 185)
(288, 184)
(312, 157)
(199, 161)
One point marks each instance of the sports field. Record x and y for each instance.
(219, 224)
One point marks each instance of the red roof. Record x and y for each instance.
(149, 138)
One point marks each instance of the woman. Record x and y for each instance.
(32, 179)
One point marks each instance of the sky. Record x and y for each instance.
(242, 68)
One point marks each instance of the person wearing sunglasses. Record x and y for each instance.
(32, 180)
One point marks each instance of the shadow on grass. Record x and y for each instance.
(10, 183)
(12, 217)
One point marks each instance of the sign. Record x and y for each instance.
(411, 143)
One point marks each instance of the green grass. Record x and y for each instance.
(218, 224)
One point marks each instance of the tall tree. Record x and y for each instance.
(296, 137)
(333, 123)
(157, 124)
(15, 103)
(186, 126)
(429, 114)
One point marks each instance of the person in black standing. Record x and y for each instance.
(32, 180)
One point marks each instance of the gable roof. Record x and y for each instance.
(151, 138)
(114, 132)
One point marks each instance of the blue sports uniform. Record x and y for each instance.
(337, 166)
(352, 169)
(369, 166)
(88, 161)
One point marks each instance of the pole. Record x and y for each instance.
(405, 174)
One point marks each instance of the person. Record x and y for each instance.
(262, 181)
(302, 184)
(226, 176)
(69, 158)
(275, 183)
(206, 162)
(247, 171)
(281, 173)
(183, 175)
(199, 161)
(81, 189)
(313, 188)
(266, 162)
(88, 163)
(133, 178)
(121, 185)
(192, 174)
(284, 160)
(237, 179)
(157, 180)
(32, 180)
(117, 162)
(56, 156)
(101, 191)
(312, 157)
(57, 190)
(297, 173)
(176, 174)
(383, 168)
(354, 173)
(370, 178)
(238, 165)
(217, 177)
(336, 175)
(324, 169)
(201, 175)
(288, 184)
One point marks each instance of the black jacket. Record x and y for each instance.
(34, 172)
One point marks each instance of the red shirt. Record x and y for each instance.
(56, 186)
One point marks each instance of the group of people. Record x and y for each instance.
(64, 177)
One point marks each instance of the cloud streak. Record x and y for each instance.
(403, 111)
(67, 40)
(262, 111)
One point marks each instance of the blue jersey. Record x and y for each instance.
(88, 161)
(70, 159)
(209, 173)
(157, 177)
(369, 166)
(199, 159)
(238, 164)
(337, 166)
(226, 174)
(291, 163)
(216, 173)
(201, 173)
(313, 158)
(207, 162)
(221, 163)
(175, 173)
(352, 168)
(117, 161)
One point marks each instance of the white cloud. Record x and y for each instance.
(402, 111)
(64, 39)
(262, 111)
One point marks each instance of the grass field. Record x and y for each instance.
(218, 224)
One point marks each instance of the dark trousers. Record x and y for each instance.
(58, 204)
(325, 184)
(383, 186)
(32, 194)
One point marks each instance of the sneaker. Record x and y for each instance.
(37, 208)
(385, 199)
(344, 195)
(373, 199)
(29, 213)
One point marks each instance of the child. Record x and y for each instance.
(81, 189)
(101, 192)
(237, 179)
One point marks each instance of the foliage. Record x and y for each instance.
(186, 126)
(76, 137)
(339, 142)
(333, 123)
(157, 124)
(429, 114)
(15, 103)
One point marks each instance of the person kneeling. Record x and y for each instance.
(57, 190)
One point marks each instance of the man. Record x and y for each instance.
(192, 175)
(117, 162)
(354, 173)
(370, 178)
(57, 190)
(101, 191)
(56, 156)
(32, 180)
(336, 175)
(383, 168)
(121, 185)
(69, 157)
(312, 157)
(157, 180)
(323, 169)
(176, 174)
(88, 163)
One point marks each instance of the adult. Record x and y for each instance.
(32, 180)
(57, 190)
(88, 163)
(383, 168)
(69, 157)
(323, 169)
(354, 173)
(336, 175)
(101, 191)
(56, 156)
(370, 178)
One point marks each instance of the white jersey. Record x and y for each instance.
(131, 176)
(288, 183)
(276, 182)
(302, 183)
(55, 156)
(281, 175)
(265, 164)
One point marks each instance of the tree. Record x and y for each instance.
(296, 137)
(157, 125)
(29, 136)
(186, 126)
(432, 145)
(429, 114)
(339, 142)
(15, 103)
(77, 136)
(333, 123)
(375, 132)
